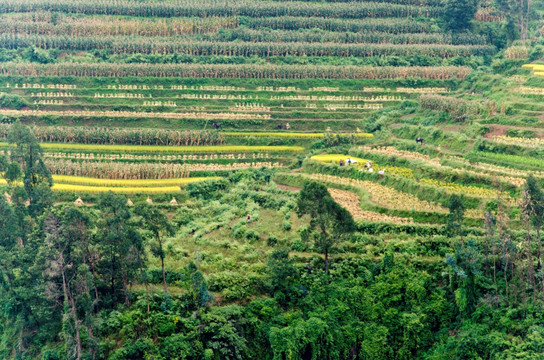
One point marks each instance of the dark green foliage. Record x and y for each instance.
(458, 14)
(12, 101)
(207, 189)
(466, 267)
(282, 276)
(455, 217)
(37, 178)
(329, 221)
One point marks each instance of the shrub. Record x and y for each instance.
(11, 101)
(286, 225)
(252, 235)
(272, 241)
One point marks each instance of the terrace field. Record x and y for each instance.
(175, 181)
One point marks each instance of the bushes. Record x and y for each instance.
(207, 189)
(12, 101)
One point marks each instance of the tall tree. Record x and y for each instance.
(155, 221)
(329, 221)
(455, 216)
(466, 265)
(37, 178)
(458, 14)
(533, 207)
(122, 244)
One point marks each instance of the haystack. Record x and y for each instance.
(79, 202)
(149, 201)
(130, 203)
(174, 202)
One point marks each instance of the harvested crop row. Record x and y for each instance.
(293, 135)
(471, 191)
(384, 196)
(155, 157)
(519, 141)
(217, 71)
(137, 114)
(146, 170)
(350, 201)
(391, 198)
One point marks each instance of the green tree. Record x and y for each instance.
(455, 216)
(458, 14)
(466, 266)
(37, 178)
(282, 274)
(122, 245)
(329, 221)
(155, 221)
(533, 207)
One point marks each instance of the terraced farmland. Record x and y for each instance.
(175, 183)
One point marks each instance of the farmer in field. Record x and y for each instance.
(248, 218)
(341, 163)
(287, 126)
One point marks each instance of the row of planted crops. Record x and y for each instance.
(403, 185)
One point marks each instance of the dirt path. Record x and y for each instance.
(288, 188)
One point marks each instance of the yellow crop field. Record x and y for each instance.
(335, 158)
(171, 149)
(538, 69)
(125, 190)
(93, 185)
(77, 180)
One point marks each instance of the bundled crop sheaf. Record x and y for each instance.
(235, 71)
